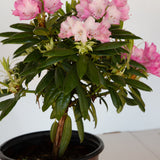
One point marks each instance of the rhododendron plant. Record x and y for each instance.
(84, 54)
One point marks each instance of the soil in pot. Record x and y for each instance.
(38, 147)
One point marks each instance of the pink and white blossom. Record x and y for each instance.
(91, 27)
(149, 57)
(124, 12)
(98, 8)
(51, 6)
(26, 9)
(119, 3)
(79, 32)
(83, 9)
(113, 15)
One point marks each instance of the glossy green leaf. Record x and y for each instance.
(109, 45)
(33, 57)
(115, 98)
(62, 104)
(50, 97)
(66, 136)
(137, 65)
(93, 73)
(40, 31)
(53, 131)
(139, 101)
(7, 34)
(94, 114)
(79, 122)
(118, 79)
(68, 7)
(122, 34)
(23, 48)
(130, 101)
(135, 72)
(23, 27)
(137, 84)
(59, 77)
(104, 101)
(22, 35)
(83, 101)
(6, 106)
(59, 52)
(82, 66)
(45, 81)
(20, 40)
(71, 81)
(51, 61)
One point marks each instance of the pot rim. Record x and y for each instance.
(88, 137)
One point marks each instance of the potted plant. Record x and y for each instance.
(84, 54)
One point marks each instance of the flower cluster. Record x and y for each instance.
(29, 9)
(149, 57)
(94, 18)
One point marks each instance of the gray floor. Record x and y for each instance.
(139, 145)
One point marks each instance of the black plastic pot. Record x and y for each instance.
(39, 142)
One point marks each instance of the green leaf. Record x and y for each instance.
(135, 72)
(137, 65)
(130, 101)
(137, 84)
(59, 52)
(4, 93)
(6, 106)
(83, 101)
(79, 122)
(94, 114)
(66, 136)
(59, 77)
(82, 66)
(93, 73)
(7, 34)
(40, 31)
(62, 104)
(51, 21)
(50, 98)
(22, 35)
(118, 79)
(20, 40)
(23, 48)
(71, 81)
(51, 61)
(115, 98)
(109, 45)
(122, 34)
(44, 81)
(33, 57)
(23, 27)
(53, 131)
(104, 101)
(138, 100)
(68, 7)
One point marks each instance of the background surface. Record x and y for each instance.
(27, 117)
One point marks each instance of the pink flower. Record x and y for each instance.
(51, 6)
(119, 3)
(26, 9)
(149, 57)
(103, 33)
(98, 7)
(113, 15)
(83, 9)
(91, 27)
(124, 13)
(66, 27)
(79, 32)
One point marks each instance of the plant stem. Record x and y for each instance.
(58, 138)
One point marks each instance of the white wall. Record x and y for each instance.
(27, 117)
